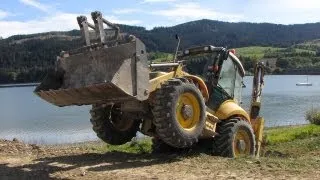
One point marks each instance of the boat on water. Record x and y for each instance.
(304, 83)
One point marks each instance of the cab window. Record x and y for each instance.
(228, 76)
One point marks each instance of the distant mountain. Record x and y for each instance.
(22, 54)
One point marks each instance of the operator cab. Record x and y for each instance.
(222, 72)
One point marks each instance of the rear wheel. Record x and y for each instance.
(235, 139)
(111, 125)
(179, 113)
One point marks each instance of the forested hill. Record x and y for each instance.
(24, 58)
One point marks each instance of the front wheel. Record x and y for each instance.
(235, 139)
(179, 113)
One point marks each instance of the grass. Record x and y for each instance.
(293, 146)
(287, 134)
(255, 51)
(298, 50)
(163, 57)
(135, 147)
(285, 142)
(258, 52)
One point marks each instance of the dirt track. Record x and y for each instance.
(83, 161)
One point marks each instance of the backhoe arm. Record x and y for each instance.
(257, 121)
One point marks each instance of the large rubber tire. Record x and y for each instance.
(104, 119)
(168, 127)
(230, 133)
(160, 147)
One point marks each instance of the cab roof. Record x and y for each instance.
(211, 49)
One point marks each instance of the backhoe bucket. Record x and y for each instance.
(98, 74)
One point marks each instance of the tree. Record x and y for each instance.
(282, 63)
(6, 77)
(267, 64)
(318, 52)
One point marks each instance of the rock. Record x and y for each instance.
(83, 173)
(15, 140)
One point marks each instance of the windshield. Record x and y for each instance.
(230, 79)
(227, 76)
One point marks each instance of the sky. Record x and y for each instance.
(35, 16)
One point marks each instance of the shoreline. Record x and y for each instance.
(139, 138)
(18, 85)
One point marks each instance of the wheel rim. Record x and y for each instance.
(242, 143)
(188, 110)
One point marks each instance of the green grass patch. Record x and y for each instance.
(286, 134)
(140, 146)
(282, 142)
(298, 148)
(158, 57)
(258, 52)
(255, 51)
(298, 50)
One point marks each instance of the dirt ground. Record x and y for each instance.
(83, 161)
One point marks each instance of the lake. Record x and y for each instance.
(27, 117)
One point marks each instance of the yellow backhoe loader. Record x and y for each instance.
(112, 73)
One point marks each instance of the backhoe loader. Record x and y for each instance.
(112, 73)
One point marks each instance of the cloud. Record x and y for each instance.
(3, 14)
(284, 11)
(192, 11)
(36, 4)
(294, 4)
(125, 11)
(55, 22)
(157, 1)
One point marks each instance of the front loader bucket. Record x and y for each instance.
(97, 74)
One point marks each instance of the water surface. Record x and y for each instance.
(27, 117)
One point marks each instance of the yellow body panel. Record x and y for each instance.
(230, 108)
(202, 85)
(156, 82)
